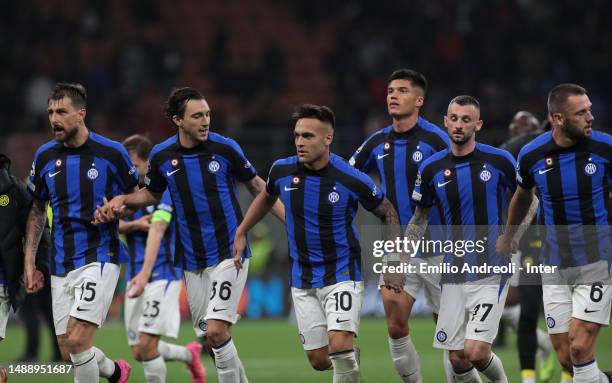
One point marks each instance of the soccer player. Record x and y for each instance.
(320, 191)
(75, 171)
(469, 182)
(571, 168)
(395, 153)
(154, 283)
(200, 169)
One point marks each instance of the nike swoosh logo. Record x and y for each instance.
(381, 156)
(216, 310)
(51, 175)
(289, 189)
(479, 331)
(586, 311)
(340, 321)
(80, 309)
(542, 171)
(443, 183)
(168, 174)
(148, 324)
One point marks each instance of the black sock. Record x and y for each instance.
(116, 375)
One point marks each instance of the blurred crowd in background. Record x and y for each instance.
(255, 61)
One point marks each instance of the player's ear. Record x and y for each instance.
(82, 113)
(479, 125)
(329, 137)
(177, 120)
(446, 121)
(420, 101)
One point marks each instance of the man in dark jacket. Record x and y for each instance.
(15, 204)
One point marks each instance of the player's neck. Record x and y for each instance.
(188, 142)
(318, 164)
(561, 139)
(79, 138)
(405, 123)
(463, 150)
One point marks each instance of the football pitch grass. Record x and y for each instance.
(271, 353)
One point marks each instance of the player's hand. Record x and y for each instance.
(506, 246)
(394, 280)
(137, 285)
(33, 279)
(143, 223)
(111, 210)
(239, 246)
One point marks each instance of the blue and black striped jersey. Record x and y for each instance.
(202, 184)
(319, 210)
(574, 186)
(75, 181)
(472, 193)
(137, 242)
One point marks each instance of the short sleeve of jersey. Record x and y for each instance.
(36, 183)
(423, 192)
(126, 172)
(369, 195)
(272, 182)
(523, 174)
(509, 173)
(155, 181)
(241, 167)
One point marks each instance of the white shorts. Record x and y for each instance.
(214, 293)
(155, 312)
(470, 311)
(565, 297)
(430, 282)
(85, 293)
(336, 307)
(5, 307)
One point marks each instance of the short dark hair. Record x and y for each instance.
(320, 112)
(559, 95)
(417, 79)
(76, 92)
(178, 99)
(465, 99)
(139, 144)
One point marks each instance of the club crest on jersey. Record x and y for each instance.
(387, 145)
(174, 162)
(590, 168)
(447, 173)
(58, 162)
(92, 174)
(214, 166)
(295, 180)
(333, 197)
(485, 175)
(441, 336)
(417, 156)
(548, 161)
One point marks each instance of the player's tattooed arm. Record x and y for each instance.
(533, 208)
(518, 211)
(388, 215)
(255, 186)
(417, 225)
(35, 225)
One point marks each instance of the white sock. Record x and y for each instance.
(243, 377)
(105, 365)
(155, 370)
(495, 370)
(85, 367)
(589, 373)
(228, 363)
(405, 359)
(345, 365)
(171, 351)
(544, 343)
(469, 376)
(448, 367)
(511, 314)
(528, 376)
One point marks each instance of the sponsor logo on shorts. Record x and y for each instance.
(80, 309)
(202, 325)
(477, 331)
(550, 322)
(302, 339)
(441, 336)
(338, 320)
(587, 311)
(216, 310)
(132, 335)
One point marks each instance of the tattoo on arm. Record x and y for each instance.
(418, 224)
(35, 226)
(388, 215)
(533, 208)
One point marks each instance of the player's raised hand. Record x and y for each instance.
(239, 246)
(111, 210)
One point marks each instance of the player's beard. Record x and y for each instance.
(462, 141)
(68, 135)
(572, 131)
